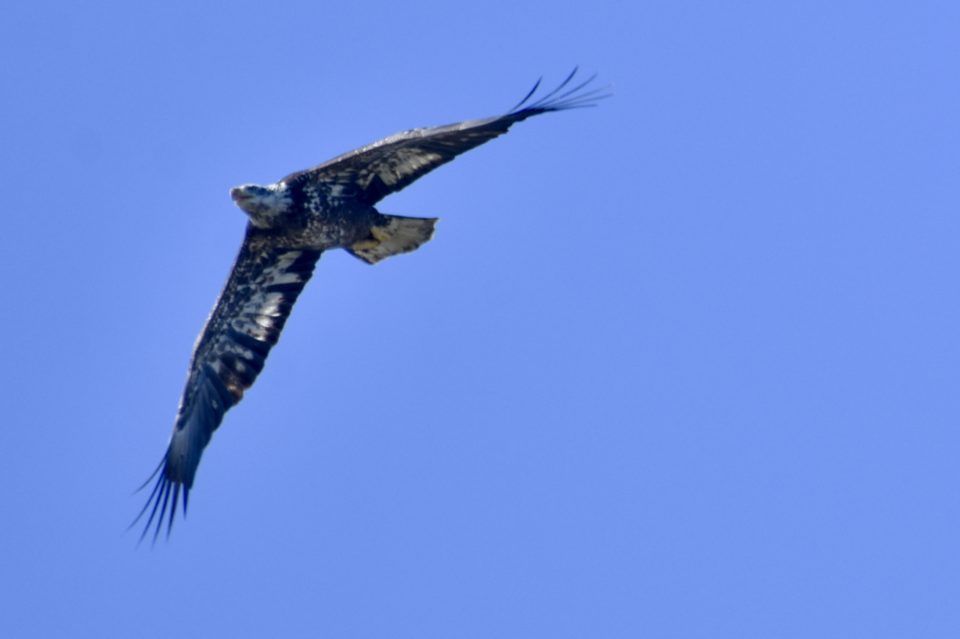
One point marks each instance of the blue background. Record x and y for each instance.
(682, 365)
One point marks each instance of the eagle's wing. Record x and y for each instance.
(245, 323)
(372, 172)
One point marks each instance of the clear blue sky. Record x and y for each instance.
(683, 365)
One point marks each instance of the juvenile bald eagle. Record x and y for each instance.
(291, 223)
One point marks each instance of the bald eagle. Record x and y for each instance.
(291, 223)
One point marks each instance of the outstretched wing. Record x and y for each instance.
(229, 354)
(372, 172)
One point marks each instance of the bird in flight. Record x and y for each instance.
(291, 223)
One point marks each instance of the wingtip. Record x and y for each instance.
(563, 96)
(165, 493)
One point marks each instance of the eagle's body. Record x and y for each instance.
(291, 223)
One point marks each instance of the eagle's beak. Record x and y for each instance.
(239, 195)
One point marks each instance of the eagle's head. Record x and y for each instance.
(266, 205)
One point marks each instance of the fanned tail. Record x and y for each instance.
(396, 235)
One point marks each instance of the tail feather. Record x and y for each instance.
(396, 235)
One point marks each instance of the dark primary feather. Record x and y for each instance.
(233, 346)
(372, 172)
